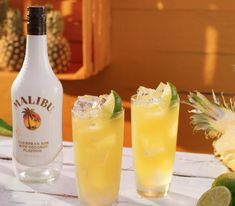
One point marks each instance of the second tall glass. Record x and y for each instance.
(154, 116)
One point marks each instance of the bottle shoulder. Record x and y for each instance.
(38, 83)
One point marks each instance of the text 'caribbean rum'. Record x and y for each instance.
(37, 108)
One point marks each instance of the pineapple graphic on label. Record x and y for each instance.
(32, 120)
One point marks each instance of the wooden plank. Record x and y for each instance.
(162, 5)
(186, 164)
(19, 198)
(9, 182)
(127, 197)
(177, 194)
(187, 71)
(72, 29)
(101, 33)
(87, 37)
(191, 32)
(191, 179)
(196, 165)
(76, 52)
(182, 188)
(185, 189)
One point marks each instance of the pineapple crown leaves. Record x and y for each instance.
(55, 24)
(13, 22)
(214, 116)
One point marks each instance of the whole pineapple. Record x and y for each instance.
(59, 51)
(12, 42)
(217, 119)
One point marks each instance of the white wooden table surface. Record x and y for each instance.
(193, 174)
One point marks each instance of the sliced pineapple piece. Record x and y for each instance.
(224, 149)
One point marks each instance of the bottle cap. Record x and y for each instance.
(36, 20)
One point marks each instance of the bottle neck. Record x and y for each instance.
(36, 49)
(36, 60)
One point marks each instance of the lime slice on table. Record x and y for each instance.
(5, 129)
(112, 105)
(217, 196)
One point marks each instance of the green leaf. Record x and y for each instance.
(5, 129)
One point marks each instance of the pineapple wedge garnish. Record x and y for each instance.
(217, 119)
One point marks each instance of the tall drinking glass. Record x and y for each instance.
(154, 116)
(98, 141)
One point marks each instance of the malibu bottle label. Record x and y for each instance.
(37, 134)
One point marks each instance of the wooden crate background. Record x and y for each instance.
(87, 28)
(190, 43)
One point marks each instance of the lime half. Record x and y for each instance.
(217, 196)
(112, 105)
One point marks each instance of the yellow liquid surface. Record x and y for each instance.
(98, 153)
(154, 134)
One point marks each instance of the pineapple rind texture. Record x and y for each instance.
(59, 50)
(3, 12)
(217, 119)
(12, 42)
(12, 49)
(59, 53)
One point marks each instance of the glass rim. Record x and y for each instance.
(117, 115)
(133, 100)
(133, 97)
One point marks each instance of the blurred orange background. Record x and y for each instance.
(189, 43)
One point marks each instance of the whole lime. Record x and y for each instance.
(227, 180)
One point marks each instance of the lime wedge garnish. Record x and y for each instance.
(112, 105)
(217, 196)
(5, 129)
(169, 95)
(174, 94)
(118, 102)
(166, 94)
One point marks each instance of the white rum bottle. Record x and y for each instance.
(37, 108)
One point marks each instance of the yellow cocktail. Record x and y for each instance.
(154, 115)
(98, 140)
